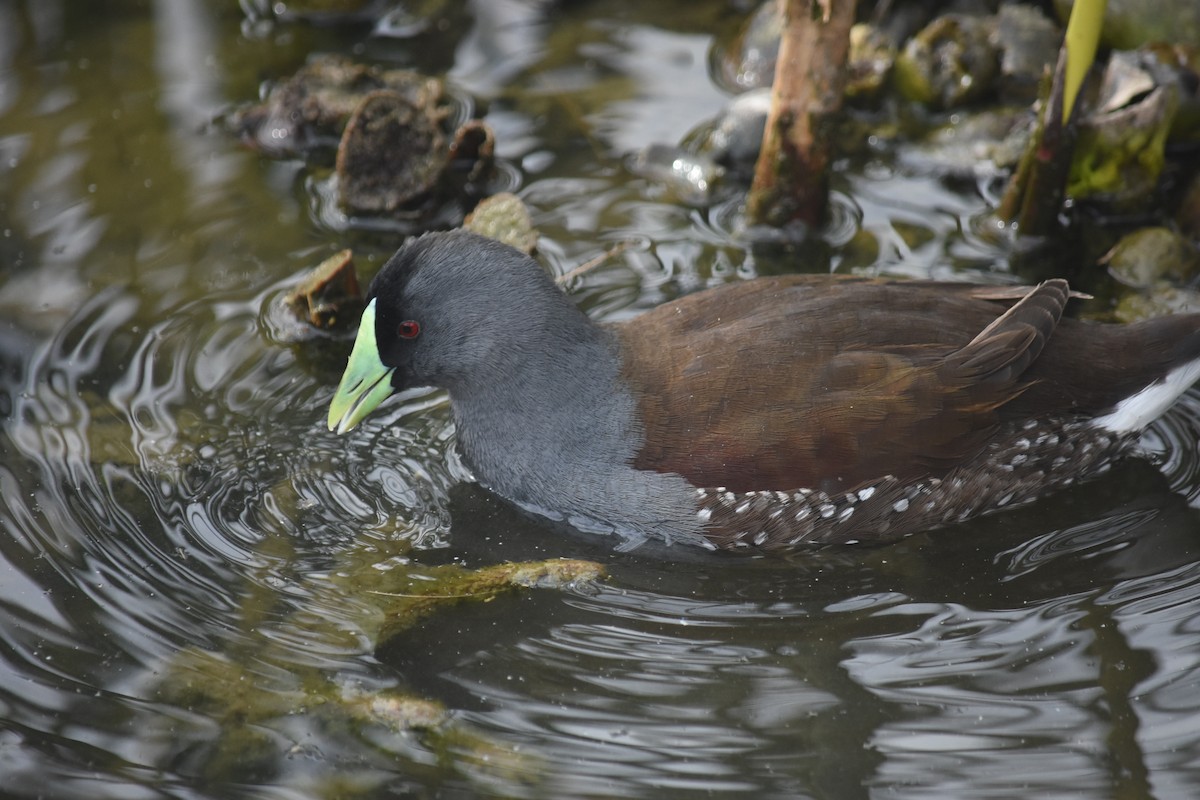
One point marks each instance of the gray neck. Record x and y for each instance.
(551, 425)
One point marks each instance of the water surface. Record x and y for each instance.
(173, 509)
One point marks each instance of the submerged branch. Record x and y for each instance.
(790, 180)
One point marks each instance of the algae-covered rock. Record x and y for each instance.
(249, 700)
(869, 63)
(410, 596)
(397, 711)
(952, 61)
(957, 58)
(1159, 302)
(1150, 256)
(505, 218)
(1122, 143)
(269, 681)
(1157, 268)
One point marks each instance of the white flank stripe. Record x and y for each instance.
(1139, 410)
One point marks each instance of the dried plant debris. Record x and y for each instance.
(400, 149)
(329, 296)
(326, 301)
(474, 145)
(310, 109)
(392, 152)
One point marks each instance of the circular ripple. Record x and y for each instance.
(164, 474)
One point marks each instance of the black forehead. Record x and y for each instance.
(392, 280)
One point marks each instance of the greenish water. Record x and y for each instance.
(178, 530)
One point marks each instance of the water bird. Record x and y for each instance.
(769, 413)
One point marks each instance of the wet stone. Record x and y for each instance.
(1146, 257)
(984, 143)
(690, 177)
(734, 138)
(749, 61)
(953, 61)
(869, 63)
(1029, 43)
(324, 11)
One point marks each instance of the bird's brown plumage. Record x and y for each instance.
(814, 381)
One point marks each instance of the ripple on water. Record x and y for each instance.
(980, 684)
(177, 487)
(166, 491)
(170, 469)
(731, 664)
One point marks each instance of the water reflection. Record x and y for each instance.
(192, 568)
(169, 490)
(880, 655)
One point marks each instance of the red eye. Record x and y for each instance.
(408, 329)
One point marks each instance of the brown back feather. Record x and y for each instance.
(813, 381)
